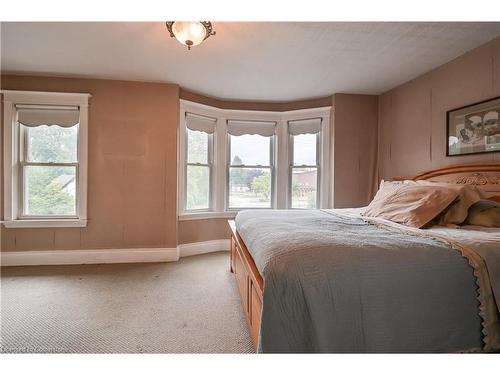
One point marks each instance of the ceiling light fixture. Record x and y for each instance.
(190, 33)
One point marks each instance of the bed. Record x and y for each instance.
(384, 288)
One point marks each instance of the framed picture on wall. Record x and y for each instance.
(474, 129)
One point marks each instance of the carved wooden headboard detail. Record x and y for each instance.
(484, 176)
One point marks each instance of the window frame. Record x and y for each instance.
(271, 167)
(185, 108)
(23, 163)
(280, 153)
(210, 144)
(15, 163)
(291, 166)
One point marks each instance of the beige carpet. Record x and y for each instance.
(191, 306)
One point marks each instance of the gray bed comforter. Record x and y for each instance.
(334, 283)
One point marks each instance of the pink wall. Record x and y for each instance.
(132, 182)
(354, 149)
(191, 231)
(132, 167)
(412, 117)
(131, 170)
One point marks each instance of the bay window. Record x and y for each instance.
(250, 164)
(231, 160)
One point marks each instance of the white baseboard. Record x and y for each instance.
(99, 256)
(196, 248)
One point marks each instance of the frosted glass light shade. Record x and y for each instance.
(189, 33)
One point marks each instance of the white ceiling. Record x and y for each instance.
(250, 61)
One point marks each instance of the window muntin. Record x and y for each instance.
(198, 170)
(198, 187)
(49, 191)
(48, 171)
(51, 144)
(304, 187)
(197, 147)
(304, 170)
(249, 187)
(304, 149)
(250, 149)
(250, 171)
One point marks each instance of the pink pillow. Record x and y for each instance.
(485, 213)
(457, 212)
(409, 203)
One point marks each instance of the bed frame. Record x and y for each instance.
(250, 282)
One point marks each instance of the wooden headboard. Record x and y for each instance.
(484, 176)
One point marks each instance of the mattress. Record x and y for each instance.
(336, 283)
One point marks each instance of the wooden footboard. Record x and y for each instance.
(249, 281)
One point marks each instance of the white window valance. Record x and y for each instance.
(200, 123)
(263, 128)
(308, 126)
(64, 116)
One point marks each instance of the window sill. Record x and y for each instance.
(46, 223)
(207, 215)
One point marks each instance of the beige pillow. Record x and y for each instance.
(485, 213)
(409, 203)
(457, 212)
(495, 198)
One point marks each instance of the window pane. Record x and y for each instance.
(52, 144)
(50, 190)
(250, 150)
(249, 188)
(197, 147)
(304, 187)
(304, 149)
(198, 187)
